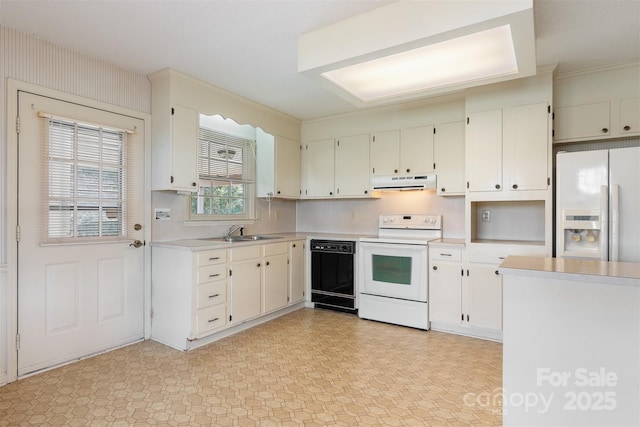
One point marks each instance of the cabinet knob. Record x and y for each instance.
(331, 193)
(442, 189)
(627, 127)
(498, 186)
(435, 267)
(605, 130)
(258, 265)
(408, 170)
(267, 262)
(395, 171)
(193, 184)
(515, 186)
(497, 273)
(278, 191)
(366, 191)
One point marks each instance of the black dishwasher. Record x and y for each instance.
(332, 275)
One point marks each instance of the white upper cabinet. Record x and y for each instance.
(278, 167)
(352, 166)
(408, 151)
(174, 148)
(318, 167)
(598, 104)
(582, 121)
(416, 150)
(526, 148)
(385, 153)
(448, 153)
(484, 151)
(511, 156)
(630, 116)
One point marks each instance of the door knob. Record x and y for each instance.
(137, 227)
(136, 243)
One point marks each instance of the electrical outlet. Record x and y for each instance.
(486, 216)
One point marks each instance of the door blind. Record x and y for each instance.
(85, 193)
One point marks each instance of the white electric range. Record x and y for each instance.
(393, 270)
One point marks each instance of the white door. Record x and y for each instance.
(80, 283)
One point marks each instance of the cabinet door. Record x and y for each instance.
(318, 168)
(485, 297)
(582, 121)
(445, 292)
(296, 271)
(526, 148)
(448, 152)
(287, 168)
(352, 166)
(245, 290)
(484, 151)
(184, 145)
(630, 116)
(275, 291)
(416, 150)
(385, 153)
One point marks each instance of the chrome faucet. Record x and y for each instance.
(233, 229)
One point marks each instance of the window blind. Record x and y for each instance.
(85, 188)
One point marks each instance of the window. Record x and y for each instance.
(226, 165)
(86, 182)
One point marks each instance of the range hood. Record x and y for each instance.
(407, 182)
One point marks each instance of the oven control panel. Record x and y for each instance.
(418, 222)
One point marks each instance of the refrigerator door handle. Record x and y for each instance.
(604, 223)
(615, 222)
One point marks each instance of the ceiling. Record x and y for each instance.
(250, 47)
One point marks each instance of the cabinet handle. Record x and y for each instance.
(214, 275)
(498, 186)
(605, 130)
(213, 320)
(435, 267)
(445, 254)
(213, 296)
(214, 258)
(497, 273)
(442, 189)
(627, 127)
(514, 186)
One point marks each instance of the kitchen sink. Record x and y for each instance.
(235, 239)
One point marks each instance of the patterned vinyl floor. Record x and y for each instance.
(310, 367)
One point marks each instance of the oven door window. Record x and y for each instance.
(391, 269)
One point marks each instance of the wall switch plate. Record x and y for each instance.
(486, 216)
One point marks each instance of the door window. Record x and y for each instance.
(391, 269)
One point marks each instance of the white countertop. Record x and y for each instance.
(606, 272)
(204, 244)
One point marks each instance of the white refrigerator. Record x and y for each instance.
(598, 204)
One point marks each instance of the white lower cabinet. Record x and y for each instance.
(296, 271)
(196, 294)
(275, 286)
(465, 287)
(189, 295)
(246, 280)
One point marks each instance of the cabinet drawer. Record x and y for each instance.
(211, 294)
(211, 273)
(246, 252)
(211, 257)
(276, 248)
(445, 254)
(211, 318)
